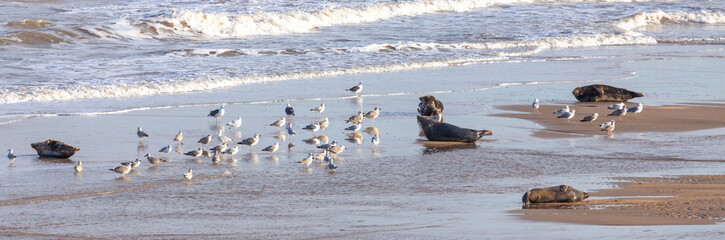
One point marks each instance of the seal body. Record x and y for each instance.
(429, 106)
(54, 149)
(439, 131)
(562, 193)
(604, 93)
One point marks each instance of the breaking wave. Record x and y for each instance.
(659, 17)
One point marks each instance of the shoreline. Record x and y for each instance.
(680, 200)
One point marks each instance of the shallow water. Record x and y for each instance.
(406, 189)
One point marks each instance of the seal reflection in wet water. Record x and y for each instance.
(562, 193)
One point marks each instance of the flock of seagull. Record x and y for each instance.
(326, 156)
(620, 110)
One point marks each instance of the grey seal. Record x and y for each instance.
(440, 131)
(604, 93)
(562, 193)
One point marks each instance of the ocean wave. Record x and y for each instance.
(190, 23)
(30, 23)
(659, 17)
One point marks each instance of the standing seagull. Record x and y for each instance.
(536, 105)
(205, 140)
(232, 150)
(194, 153)
(272, 148)
(354, 127)
(324, 124)
(189, 175)
(591, 117)
(289, 110)
(278, 123)
(223, 139)
(376, 140)
(306, 162)
(319, 109)
(373, 114)
(153, 160)
(616, 106)
(607, 126)
(217, 113)
(312, 127)
(568, 115)
(621, 112)
(179, 137)
(141, 134)
(356, 89)
(11, 155)
(79, 166)
(355, 118)
(636, 110)
(166, 149)
(123, 169)
(250, 141)
(563, 110)
(235, 124)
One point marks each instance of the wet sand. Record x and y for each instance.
(675, 118)
(680, 200)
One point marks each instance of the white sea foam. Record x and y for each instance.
(45, 94)
(659, 17)
(225, 25)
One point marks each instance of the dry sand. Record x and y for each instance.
(683, 200)
(691, 117)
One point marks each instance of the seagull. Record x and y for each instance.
(376, 140)
(235, 124)
(132, 164)
(373, 114)
(355, 127)
(217, 113)
(179, 137)
(607, 126)
(326, 146)
(591, 117)
(616, 106)
(194, 153)
(289, 110)
(278, 123)
(220, 148)
(166, 149)
(272, 148)
(205, 140)
(189, 175)
(223, 139)
(331, 166)
(154, 160)
(355, 118)
(320, 156)
(232, 150)
(563, 110)
(324, 123)
(621, 112)
(11, 155)
(312, 127)
(567, 115)
(536, 105)
(319, 109)
(79, 166)
(336, 149)
(356, 89)
(636, 110)
(141, 134)
(307, 160)
(123, 169)
(250, 141)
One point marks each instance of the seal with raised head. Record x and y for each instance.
(429, 106)
(562, 193)
(604, 93)
(440, 131)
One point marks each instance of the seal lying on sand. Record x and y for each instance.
(439, 131)
(604, 93)
(54, 149)
(429, 106)
(563, 193)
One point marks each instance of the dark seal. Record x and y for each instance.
(439, 131)
(54, 149)
(563, 193)
(429, 106)
(604, 93)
